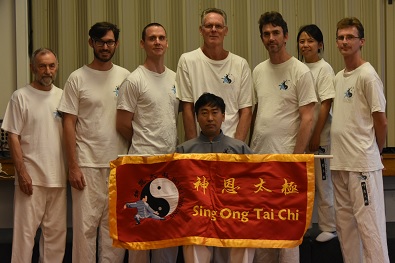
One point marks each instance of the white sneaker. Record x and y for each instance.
(326, 236)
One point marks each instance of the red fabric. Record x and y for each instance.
(263, 201)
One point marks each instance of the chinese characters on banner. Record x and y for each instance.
(224, 200)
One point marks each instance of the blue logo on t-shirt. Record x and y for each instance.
(228, 78)
(283, 85)
(348, 93)
(116, 91)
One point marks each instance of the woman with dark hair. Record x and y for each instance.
(310, 48)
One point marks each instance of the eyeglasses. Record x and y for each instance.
(346, 37)
(211, 26)
(100, 43)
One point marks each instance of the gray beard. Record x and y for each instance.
(46, 81)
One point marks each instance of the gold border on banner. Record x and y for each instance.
(196, 240)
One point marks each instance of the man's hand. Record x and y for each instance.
(314, 143)
(76, 178)
(188, 117)
(24, 179)
(25, 183)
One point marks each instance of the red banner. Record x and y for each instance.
(223, 200)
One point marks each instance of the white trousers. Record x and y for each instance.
(45, 208)
(277, 255)
(324, 192)
(162, 255)
(360, 216)
(90, 220)
(204, 254)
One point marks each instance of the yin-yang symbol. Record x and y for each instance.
(162, 196)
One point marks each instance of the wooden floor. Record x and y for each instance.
(311, 251)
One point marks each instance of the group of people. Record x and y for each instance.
(285, 103)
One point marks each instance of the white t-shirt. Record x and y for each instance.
(32, 114)
(229, 78)
(359, 93)
(91, 95)
(324, 86)
(152, 98)
(280, 90)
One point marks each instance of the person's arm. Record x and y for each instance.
(124, 124)
(253, 118)
(245, 116)
(24, 179)
(188, 117)
(76, 178)
(321, 120)
(306, 113)
(380, 128)
(130, 205)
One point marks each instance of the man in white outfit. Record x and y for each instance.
(34, 129)
(283, 116)
(147, 111)
(358, 132)
(213, 69)
(91, 140)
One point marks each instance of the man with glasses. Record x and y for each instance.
(91, 142)
(213, 69)
(358, 132)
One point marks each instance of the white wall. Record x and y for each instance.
(8, 64)
(7, 86)
(14, 68)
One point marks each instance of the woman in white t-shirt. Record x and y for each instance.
(310, 48)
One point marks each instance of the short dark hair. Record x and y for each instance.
(144, 32)
(100, 29)
(210, 100)
(213, 10)
(41, 51)
(350, 22)
(274, 18)
(313, 31)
